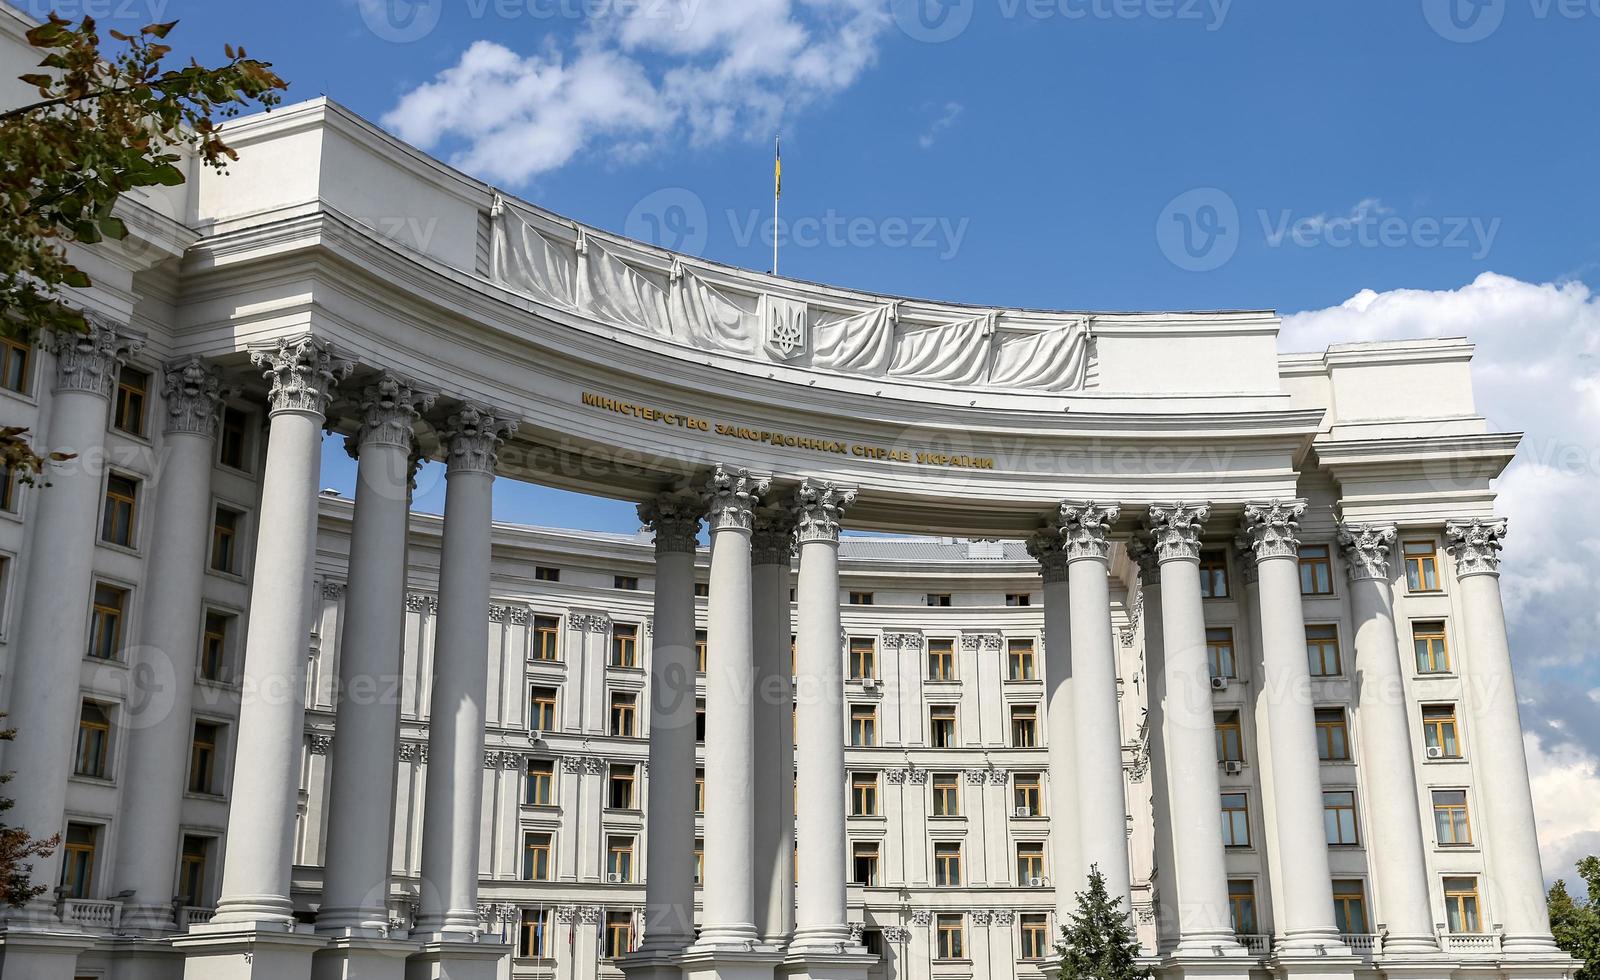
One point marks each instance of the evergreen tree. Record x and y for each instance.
(1576, 925)
(1099, 943)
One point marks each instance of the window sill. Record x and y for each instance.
(217, 683)
(553, 809)
(225, 575)
(1449, 760)
(190, 794)
(106, 661)
(122, 549)
(85, 778)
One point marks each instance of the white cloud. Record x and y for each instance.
(946, 119)
(1566, 797)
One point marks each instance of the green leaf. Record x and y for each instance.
(114, 228)
(167, 175)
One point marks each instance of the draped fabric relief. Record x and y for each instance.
(612, 290)
(1052, 360)
(703, 317)
(528, 262)
(955, 353)
(860, 344)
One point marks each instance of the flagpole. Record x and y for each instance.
(777, 192)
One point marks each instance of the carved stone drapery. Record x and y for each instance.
(1050, 551)
(732, 497)
(1085, 528)
(302, 372)
(818, 505)
(674, 517)
(472, 437)
(1175, 530)
(88, 360)
(1475, 544)
(193, 392)
(1366, 549)
(1273, 528)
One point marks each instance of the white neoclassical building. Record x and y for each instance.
(1219, 621)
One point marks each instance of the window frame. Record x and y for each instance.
(1343, 817)
(11, 349)
(943, 732)
(1024, 715)
(863, 658)
(1034, 859)
(226, 542)
(945, 798)
(536, 844)
(1351, 899)
(533, 934)
(1033, 935)
(1022, 662)
(870, 852)
(208, 764)
(539, 706)
(863, 793)
(863, 725)
(1320, 567)
(1423, 560)
(1214, 565)
(119, 509)
(941, 650)
(624, 647)
(1242, 905)
(534, 778)
(1322, 644)
(225, 433)
(620, 852)
(1326, 725)
(80, 854)
(98, 612)
(625, 776)
(1421, 631)
(1235, 817)
(1229, 730)
(1028, 794)
(1444, 719)
(1455, 813)
(93, 738)
(546, 627)
(1456, 905)
(622, 714)
(1220, 647)
(947, 870)
(950, 936)
(134, 395)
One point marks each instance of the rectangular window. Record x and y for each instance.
(546, 573)
(1439, 731)
(94, 741)
(1452, 827)
(939, 599)
(699, 860)
(535, 857)
(619, 859)
(1019, 598)
(700, 642)
(539, 788)
(620, 788)
(627, 583)
(700, 721)
(1019, 657)
(1461, 904)
(1230, 737)
(624, 645)
(533, 934)
(864, 864)
(1322, 650)
(947, 863)
(619, 934)
(702, 590)
(1219, 652)
(1030, 864)
(863, 724)
(1316, 570)
(624, 707)
(203, 758)
(122, 501)
(546, 638)
(1339, 816)
(863, 658)
(1333, 735)
(942, 726)
(941, 660)
(105, 626)
(952, 944)
(699, 791)
(233, 439)
(1433, 655)
(542, 709)
(9, 481)
(192, 870)
(861, 598)
(1350, 906)
(1026, 796)
(1214, 574)
(225, 540)
(1024, 726)
(214, 646)
(946, 794)
(1035, 936)
(864, 794)
(1422, 566)
(77, 865)
(15, 356)
(1242, 904)
(1235, 820)
(133, 390)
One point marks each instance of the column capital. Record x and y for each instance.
(303, 371)
(473, 434)
(1475, 544)
(194, 392)
(818, 505)
(1272, 529)
(87, 360)
(1175, 530)
(1246, 557)
(1366, 549)
(1142, 551)
(732, 494)
(773, 540)
(1084, 528)
(674, 516)
(1050, 551)
(390, 408)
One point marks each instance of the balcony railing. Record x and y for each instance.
(1471, 943)
(194, 914)
(1365, 945)
(1257, 944)
(91, 914)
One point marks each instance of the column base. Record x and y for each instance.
(653, 964)
(848, 962)
(1234, 962)
(362, 958)
(37, 952)
(745, 961)
(142, 958)
(235, 952)
(1299, 964)
(454, 959)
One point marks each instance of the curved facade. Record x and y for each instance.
(1262, 664)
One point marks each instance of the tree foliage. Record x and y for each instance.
(1098, 943)
(17, 851)
(1576, 924)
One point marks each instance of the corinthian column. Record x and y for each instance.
(156, 719)
(1305, 886)
(49, 649)
(772, 552)
(1394, 833)
(1165, 895)
(1516, 879)
(1066, 855)
(1103, 813)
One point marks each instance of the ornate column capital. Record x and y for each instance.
(1246, 557)
(1142, 551)
(1273, 528)
(302, 371)
(1050, 551)
(674, 516)
(1475, 545)
(390, 408)
(1366, 550)
(88, 360)
(773, 540)
(472, 439)
(193, 392)
(818, 505)
(732, 495)
(1084, 528)
(1175, 530)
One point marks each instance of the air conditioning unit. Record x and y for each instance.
(869, 684)
(615, 878)
(1435, 752)
(1233, 767)
(1024, 811)
(1035, 882)
(1219, 683)
(536, 735)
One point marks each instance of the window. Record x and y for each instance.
(1019, 598)
(9, 480)
(700, 651)
(946, 794)
(1452, 827)
(863, 659)
(864, 864)
(700, 720)
(1026, 795)
(546, 573)
(1242, 903)
(1322, 650)
(1433, 655)
(532, 934)
(1333, 735)
(1339, 816)
(872, 942)
(105, 627)
(1350, 906)
(939, 599)
(214, 646)
(1019, 657)
(620, 794)
(1316, 570)
(77, 866)
(947, 863)
(864, 794)
(1035, 936)
(1460, 904)
(699, 859)
(14, 358)
(1230, 738)
(1439, 731)
(702, 590)
(951, 945)
(133, 390)
(1422, 566)
(94, 741)
(535, 857)
(1219, 652)
(203, 757)
(542, 709)
(627, 583)
(1030, 863)
(619, 934)
(233, 444)
(122, 498)
(1235, 820)
(192, 869)
(624, 645)
(941, 660)
(942, 726)
(546, 638)
(623, 710)
(619, 859)
(225, 540)
(861, 598)
(863, 724)
(1024, 726)
(1214, 574)
(699, 791)
(539, 787)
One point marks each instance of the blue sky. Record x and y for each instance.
(1370, 168)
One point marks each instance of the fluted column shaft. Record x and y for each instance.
(1066, 854)
(1511, 847)
(773, 545)
(355, 892)
(669, 862)
(266, 785)
(156, 723)
(1103, 817)
(450, 828)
